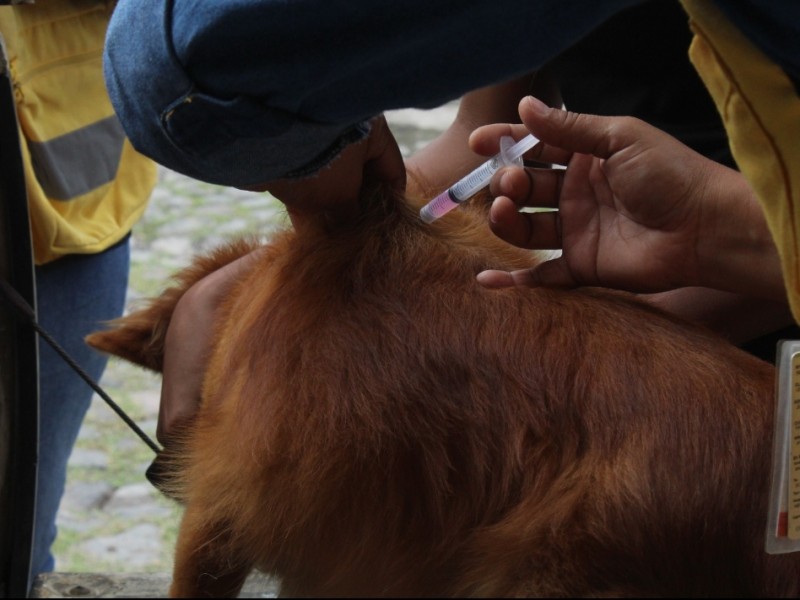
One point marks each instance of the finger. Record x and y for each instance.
(189, 343)
(528, 186)
(539, 230)
(494, 279)
(549, 155)
(485, 140)
(181, 383)
(552, 273)
(179, 406)
(575, 132)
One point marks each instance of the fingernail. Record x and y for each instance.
(504, 185)
(492, 218)
(537, 105)
(489, 279)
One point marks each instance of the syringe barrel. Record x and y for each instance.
(441, 205)
(480, 177)
(476, 180)
(468, 186)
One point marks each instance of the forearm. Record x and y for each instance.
(738, 318)
(736, 251)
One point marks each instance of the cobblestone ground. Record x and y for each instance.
(111, 519)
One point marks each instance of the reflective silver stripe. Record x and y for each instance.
(78, 162)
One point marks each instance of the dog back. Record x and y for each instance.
(374, 422)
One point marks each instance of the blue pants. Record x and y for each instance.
(302, 77)
(75, 294)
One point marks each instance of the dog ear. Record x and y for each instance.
(139, 336)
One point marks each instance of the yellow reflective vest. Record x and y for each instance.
(86, 184)
(761, 112)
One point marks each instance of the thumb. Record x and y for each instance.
(552, 273)
(576, 132)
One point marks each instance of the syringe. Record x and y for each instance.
(510, 154)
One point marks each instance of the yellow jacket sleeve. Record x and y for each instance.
(761, 112)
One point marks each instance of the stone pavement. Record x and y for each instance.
(111, 519)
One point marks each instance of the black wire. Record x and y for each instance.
(23, 307)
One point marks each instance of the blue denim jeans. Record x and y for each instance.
(242, 92)
(75, 294)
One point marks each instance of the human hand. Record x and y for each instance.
(335, 188)
(187, 346)
(637, 209)
(738, 318)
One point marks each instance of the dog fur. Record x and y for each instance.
(375, 423)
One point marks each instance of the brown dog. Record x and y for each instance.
(376, 423)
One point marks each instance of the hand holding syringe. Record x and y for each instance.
(510, 155)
